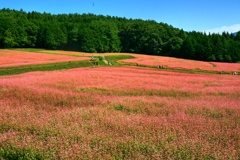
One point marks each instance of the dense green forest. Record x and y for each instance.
(98, 33)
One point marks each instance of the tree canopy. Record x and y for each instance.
(98, 33)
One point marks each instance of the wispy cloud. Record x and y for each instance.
(229, 29)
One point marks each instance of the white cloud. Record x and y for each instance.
(229, 29)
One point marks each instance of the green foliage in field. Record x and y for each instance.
(13, 153)
(139, 92)
(44, 67)
(61, 65)
(29, 49)
(113, 59)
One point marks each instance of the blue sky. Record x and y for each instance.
(189, 15)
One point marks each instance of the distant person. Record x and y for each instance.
(92, 57)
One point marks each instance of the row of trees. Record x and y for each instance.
(97, 33)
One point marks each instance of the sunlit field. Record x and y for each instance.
(170, 62)
(22, 57)
(119, 113)
(19, 58)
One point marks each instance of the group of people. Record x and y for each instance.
(159, 66)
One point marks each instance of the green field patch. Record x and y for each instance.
(160, 93)
(5, 127)
(218, 93)
(14, 153)
(141, 92)
(206, 112)
(192, 111)
(172, 93)
(2, 90)
(185, 70)
(93, 90)
(58, 66)
(210, 84)
(127, 109)
(62, 54)
(29, 49)
(213, 113)
(105, 91)
(9, 150)
(127, 150)
(44, 67)
(113, 59)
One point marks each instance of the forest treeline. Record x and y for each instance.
(98, 33)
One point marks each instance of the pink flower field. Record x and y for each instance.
(120, 113)
(17, 58)
(183, 63)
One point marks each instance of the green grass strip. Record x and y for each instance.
(181, 70)
(113, 59)
(28, 49)
(59, 65)
(44, 67)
